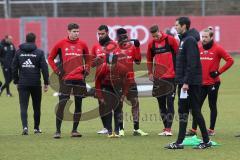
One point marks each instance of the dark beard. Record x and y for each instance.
(208, 45)
(104, 41)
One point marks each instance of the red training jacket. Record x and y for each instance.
(100, 52)
(71, 55)
(114, 76)
(128, 56)
(163, 62)
(210, 60)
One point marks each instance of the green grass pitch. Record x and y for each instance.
(14, 146)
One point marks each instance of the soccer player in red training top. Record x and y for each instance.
(161, 55)
(211, 54)
(128, 54)
(104, 46)
(112, 77)
(75, 65)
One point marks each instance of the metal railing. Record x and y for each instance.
(108, 8)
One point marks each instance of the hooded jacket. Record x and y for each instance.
(27, 64)
(7, 52)
(161, 56)
(188, 64)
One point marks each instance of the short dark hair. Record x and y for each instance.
(103, 27)
(121, 31)
(184, 20)
(154, 29)
(72, 26)
(6, 36)
(30, 37)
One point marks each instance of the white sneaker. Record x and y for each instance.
(25, 131)
(36, 131)
(55, 94)
(165, 133)
(103, 131)
(121, 133)
(139, 132)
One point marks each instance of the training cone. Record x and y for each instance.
(194, 141)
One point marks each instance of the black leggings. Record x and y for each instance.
(166, 105)
(102, 113)
(7, 73)
(132, 100)
(111, 105)
(212, 92)
(192, 102)
(24, 94)
(78, 88)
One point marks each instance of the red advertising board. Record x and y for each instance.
(225, 28)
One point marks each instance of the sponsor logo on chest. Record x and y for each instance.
(159, 46)
(205, 52)
(73, 51)
(100, 52)
(28, 55)
(206, 55)
(28, 64)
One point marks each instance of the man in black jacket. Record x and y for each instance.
(28, 62)
(7, 52)
(189, 80)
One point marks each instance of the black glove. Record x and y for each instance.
(60, 74)
(136, 42)
(91, 92)
(98, 61)
(214, 74)
(85, 73)
(15, 81)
